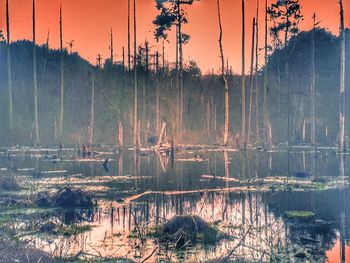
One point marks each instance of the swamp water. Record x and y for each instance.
(267, 206)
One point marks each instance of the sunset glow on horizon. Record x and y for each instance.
(88, 23)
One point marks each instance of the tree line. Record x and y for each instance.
(56, 96)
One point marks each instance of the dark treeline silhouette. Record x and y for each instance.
(203, 109)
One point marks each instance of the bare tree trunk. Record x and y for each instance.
(129, 67)
(120, 136)
(136, 136)
(304, 130)
(208, 126)
(251, 85)
(35, 84)
(45, 60)
(313, 80)
(177, 81)
(92, 109)
(288, 86)
(123, 55)
(112, 55)
(226, 127)
(341, 144)
(257, 132)
(145, 92)
(157, 94)
(343, 202)
(182, 126)
(267, 140)
(227, 168)
(9, 73)
(181, 123)
(61, 81)
(163, 57)
(243, 111)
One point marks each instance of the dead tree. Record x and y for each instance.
(266, 123)
(123, 55)
(45, 60)
(257, 126)
(112, 55)
(341, 144)
(251, 85)
(177, 79)
(181, 84)
(163, 57)
(35, 85)
(99, 61)
(120, 136)
(313, 80)
(243, 110)
(226, 127)
(61, 80)
(129, 67)
(157, 94)
(136, 137)
(9, 70)
(92, 108)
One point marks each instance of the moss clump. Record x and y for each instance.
(303, 216)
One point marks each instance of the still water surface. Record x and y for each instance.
(137, 193)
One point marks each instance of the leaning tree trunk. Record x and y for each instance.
(35, 85)
(226, 127)
(61, 81)
(243, 111)
(341, 144)
(251, 85)
(9, 73)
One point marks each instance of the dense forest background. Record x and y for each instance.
(203, 95)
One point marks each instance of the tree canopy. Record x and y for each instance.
(286, 15)
(172, 12)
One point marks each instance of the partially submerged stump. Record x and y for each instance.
(65, 198)
(186, 224)
(189, 228)
(69, 198)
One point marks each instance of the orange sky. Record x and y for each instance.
(88, 23)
